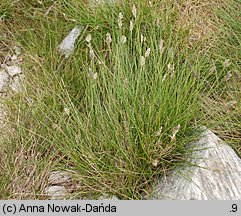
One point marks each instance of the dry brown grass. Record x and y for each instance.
(198, 17)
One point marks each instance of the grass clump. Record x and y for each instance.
(120, 110)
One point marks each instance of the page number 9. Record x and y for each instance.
(234, 208)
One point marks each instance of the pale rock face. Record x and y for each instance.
(215, 174)
(4, 79)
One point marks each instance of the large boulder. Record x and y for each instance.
(214, 174)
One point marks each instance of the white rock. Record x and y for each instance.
(4, 79)
(67, 45)
(216, 174)
(13, 70)
(59, 178)
(16, 83)
(56, 192)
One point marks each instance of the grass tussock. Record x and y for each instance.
(121, 109)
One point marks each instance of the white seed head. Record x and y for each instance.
(121, 16)
(95, 76)
(158, 133)
(92, 54)
(88, 38)
(147, 53)
(66, 111)
(158, 22)
(161, 46)
(212, 69)
(228, 76)
(90, 72)
(227, 63)
(171, 69)
(142, 38)
(164, 77)
(108, 39)
(134, 12)
(142, 61)
(131, 26)
(175, 131)
(231, 104)
(120, 20)
(155, 163)
(123, 39)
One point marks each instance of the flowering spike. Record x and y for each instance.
(88, 38)
(227, 63)
(155, 162)
(92, 54)
(171, 69)
(123, 39)
(158, 133)
(95, 76)
(108, 39)
(147, 53)
(142, 61)
(228, 76)
(174, 132)
(161, 46)
(134, 11)
(120, 18)
(131, 26)
(142, 38)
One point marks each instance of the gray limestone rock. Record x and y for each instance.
(67, 45)
(4, 79)
(214, 175)
(59, 178)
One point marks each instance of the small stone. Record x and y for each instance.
(56, 192)
(67, 45)
(13, 70)
(59, 178)
(4, 79)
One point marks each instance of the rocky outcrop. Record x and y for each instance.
(214, 174)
